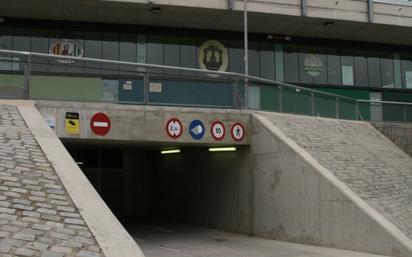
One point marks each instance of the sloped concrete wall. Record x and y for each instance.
(399, 133)
(48, 207)
(298, 198)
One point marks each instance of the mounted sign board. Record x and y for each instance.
(100, 124)
(218, 130)
(155, 87)
(197, 129)
(174, 128)
(72, 124)
(238, 132)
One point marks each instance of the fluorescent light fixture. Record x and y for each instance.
(222, 149)
(79, 163)
(170, 151)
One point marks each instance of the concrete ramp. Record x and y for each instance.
(47, 206)
(331, 183)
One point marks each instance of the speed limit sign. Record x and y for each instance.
(218, 130)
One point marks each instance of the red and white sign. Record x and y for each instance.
(174, 128)
(100, 124)
(238, 132)
(218, 130)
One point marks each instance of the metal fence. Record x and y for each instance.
(180, 86)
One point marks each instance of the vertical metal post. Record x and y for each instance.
(246, 58)
(235, 93)
(146, 85)
(280, 98)
(27, 74)
(304, 9)
(357, 110)
(312, 103)
(404, 114)
(337, 107)
(370, 11)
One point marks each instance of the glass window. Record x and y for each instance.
(322, 78)
(387, 72)
(39, 43)
(236, 55)
(171, 53)
(334, 67)
(110, 51)
(21, 42)
(92, 49)
(406, 67)
(291, 64)
(267, 61)
(188, 54)
(374, 71)
(254, 63)
(54, 64)
(347, 69)
(307, 65)
(78, 36)
(361, 71)
(5, 43)
(154, 50)
(127, 52)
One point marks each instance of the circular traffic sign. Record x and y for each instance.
(174, 128)
(197, 129)
(218, 130)
(100, 124)
(238, 131)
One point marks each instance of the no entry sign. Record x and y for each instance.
(218, 130)
(174, 128)
(238, 131)
(100, 124)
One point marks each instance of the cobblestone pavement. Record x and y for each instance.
(37, 217)
(372, 166)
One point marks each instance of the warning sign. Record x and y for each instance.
(174, 128)
(100, 124)
(218, 130)
(238, 132)
(72, 125)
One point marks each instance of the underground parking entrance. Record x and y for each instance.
(157, 193)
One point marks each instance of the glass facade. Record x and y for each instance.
(297, 61)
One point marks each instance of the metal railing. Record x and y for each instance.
(194, 87)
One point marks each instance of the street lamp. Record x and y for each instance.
(246, 57)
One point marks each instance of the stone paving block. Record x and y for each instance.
(37, 217)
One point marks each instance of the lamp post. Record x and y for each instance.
(246, 57)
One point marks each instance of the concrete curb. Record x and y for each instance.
(401, 238)
(107, 230)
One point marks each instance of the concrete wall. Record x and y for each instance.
(398, 133)
(209, 189)
(143, 123)
(195, 187)
(296, 199)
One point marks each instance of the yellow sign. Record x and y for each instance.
(72, 123)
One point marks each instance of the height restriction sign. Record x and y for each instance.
(174, 128)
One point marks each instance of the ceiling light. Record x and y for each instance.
(155, 10)
(170, 151)
(222, 149)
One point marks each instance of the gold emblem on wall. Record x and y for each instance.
(213, 56)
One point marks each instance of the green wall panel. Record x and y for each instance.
(269, 98)
(393, 112)
(65, 88)
(347, 108)
(8, 80)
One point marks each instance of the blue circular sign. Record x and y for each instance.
(197, 129)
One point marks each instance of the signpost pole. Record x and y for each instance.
(246, 58)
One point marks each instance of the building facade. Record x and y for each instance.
(359, 49)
